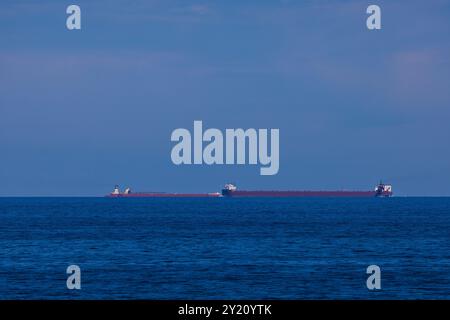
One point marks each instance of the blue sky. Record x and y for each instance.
(83, 110)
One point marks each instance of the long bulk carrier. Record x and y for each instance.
(381, 190)
(230, 190)
(128, 194)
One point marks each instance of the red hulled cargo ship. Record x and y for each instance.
(381, 190)
(128, 194)
(230, 190)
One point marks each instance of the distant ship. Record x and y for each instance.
(128, 194)
(381, 190)
(230, 190)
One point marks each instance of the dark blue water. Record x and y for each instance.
(224, 248)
